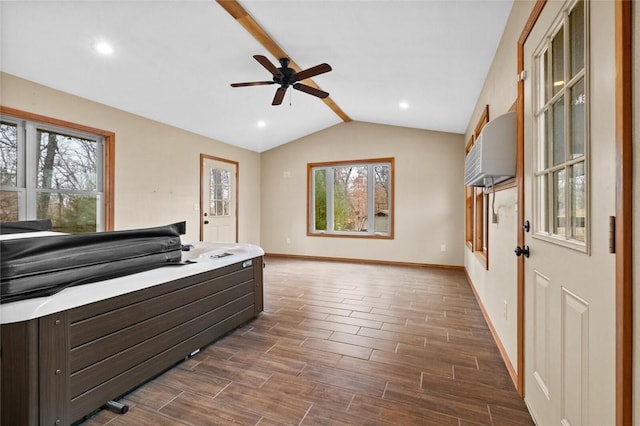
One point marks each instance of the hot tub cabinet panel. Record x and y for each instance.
(60, 367)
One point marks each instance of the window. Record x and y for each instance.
(353, 198)
(561, 177)
(53, 172)
(220, 198)
(476, 204)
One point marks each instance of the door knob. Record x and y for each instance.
(524, 250)
(206, 222)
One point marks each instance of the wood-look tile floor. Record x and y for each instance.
(342, 344)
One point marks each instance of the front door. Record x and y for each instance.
(219, 200)
(569, 170)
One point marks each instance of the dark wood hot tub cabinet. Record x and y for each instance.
(58, 368)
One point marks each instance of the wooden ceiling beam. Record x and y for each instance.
(248, 23)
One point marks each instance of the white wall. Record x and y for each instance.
(499, 283)
(429, 196)
(157, 167)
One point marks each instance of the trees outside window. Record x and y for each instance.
(352, 198)
(47, 172)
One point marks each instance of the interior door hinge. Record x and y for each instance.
(612, 234)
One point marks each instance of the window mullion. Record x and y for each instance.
(30, 161)
(371, 202)
(567, 136)
(329, 191)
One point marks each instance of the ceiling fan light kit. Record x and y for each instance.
(286, 77)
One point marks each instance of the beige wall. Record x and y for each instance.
(497, 286)
(429, 199)
(636, 207)
(157, 166)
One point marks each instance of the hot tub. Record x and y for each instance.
(66, 355)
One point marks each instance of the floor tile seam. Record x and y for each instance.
(169, 417)
(465, 413)
(476, 400)
(306, 414)
(283, 397)
(431, 410)
(339, 353)
(390, 377)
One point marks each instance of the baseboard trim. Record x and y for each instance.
(505, 358)
(367, 261)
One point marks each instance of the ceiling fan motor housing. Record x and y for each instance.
(288, 76)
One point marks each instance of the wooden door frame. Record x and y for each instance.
(624, 203)
(237, 192)
(624, 212)
(533, 18)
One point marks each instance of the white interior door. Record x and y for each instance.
(569, 179)
(219, 203)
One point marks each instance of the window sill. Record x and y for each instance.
(351, 235)
(482, 258)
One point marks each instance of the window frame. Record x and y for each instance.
(224, 200)
(65, 127)
(476, 205)
(544, 168)
(350, 234)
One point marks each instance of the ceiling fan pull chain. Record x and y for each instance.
(290, 96)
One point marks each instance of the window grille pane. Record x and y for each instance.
(350, 198)
(559, 213)
(320, 201)
(544, 78)
(543, 138)
(66, 162)
(578, 202)
(68, 212)
(558, 132)
(576, 28)
(381, 197)
(578, 99)
(543, 212)
(557, 61)
(8, 154)
(9, 206)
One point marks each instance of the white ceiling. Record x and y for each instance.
(173, 61)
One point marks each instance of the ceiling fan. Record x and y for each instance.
(285, 77)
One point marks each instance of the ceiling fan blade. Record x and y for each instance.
(267, 64)
(310, 90)
(277, 99)
(252, 83)
(310, 72)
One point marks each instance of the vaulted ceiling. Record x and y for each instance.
(173, 61)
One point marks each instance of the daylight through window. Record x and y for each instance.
(351, 198)
(562, 104)
(51, 173)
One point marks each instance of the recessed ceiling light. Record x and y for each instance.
(403, 105)
(261, 123)
(103, 48)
